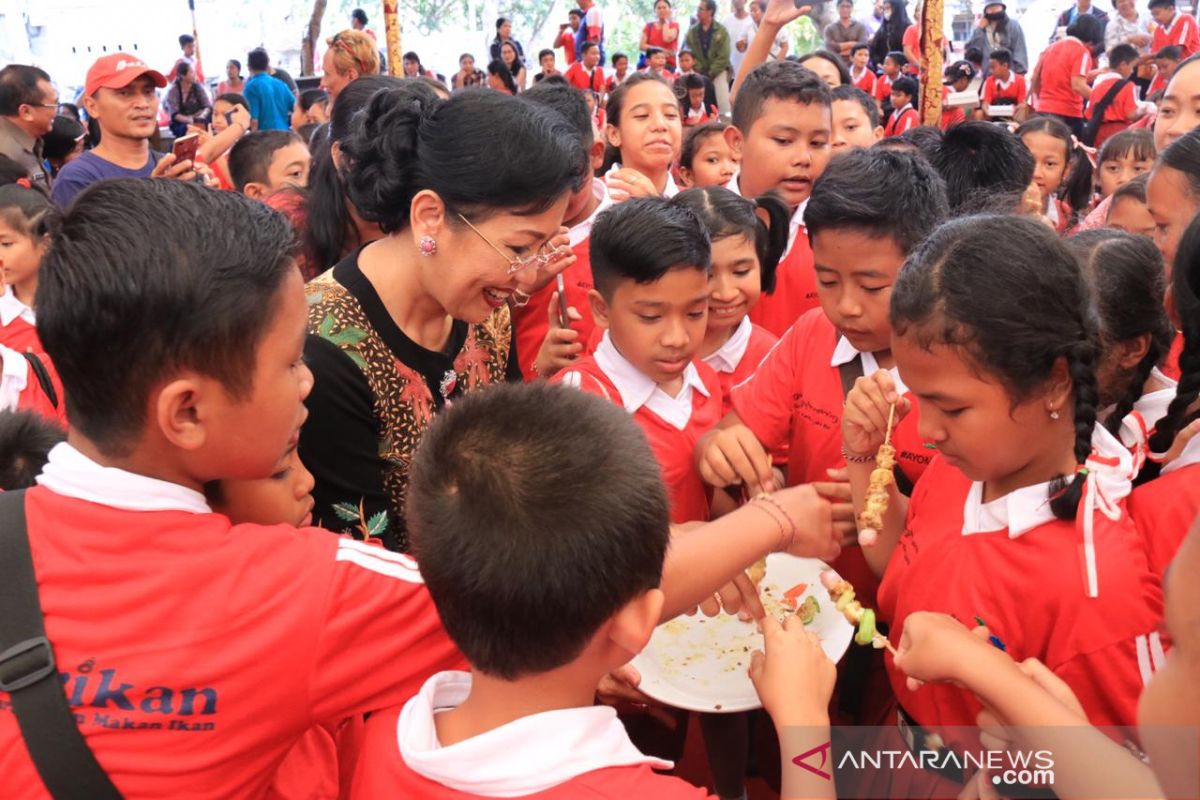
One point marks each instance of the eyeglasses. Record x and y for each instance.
(517, 263)
(42, 105)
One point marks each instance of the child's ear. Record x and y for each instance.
(631, 627)
(597, 153)
(685, 177)
(1059, 386)
(878, 133)
(428, 214)
(255, 190)
(178, 410)
(613, 134)
(599, 308)
(733, 138)
(1132, 351)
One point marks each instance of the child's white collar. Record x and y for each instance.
(72, 474)
(11, 308)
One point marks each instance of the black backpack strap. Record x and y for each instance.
(1097, 111)
(851, 371)
(28, 673)
(43, 377)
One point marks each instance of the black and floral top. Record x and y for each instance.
(375, 392)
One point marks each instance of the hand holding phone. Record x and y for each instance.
(185, 148)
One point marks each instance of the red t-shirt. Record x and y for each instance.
(951, 116)
(197, 652)
(567, 40)
(1060, 62)
(795, 289)
(901, 120)
(1165, 508)
(912, 41)
(33, 397)
(654, 38)
(1031, 591)
(1181, 32)
(579, 77)
(883, 88)
(1012, 93)
(866, 81)
(673, 448)
(1123, 106)
(16, 323)
(795, 398)
(758, 344)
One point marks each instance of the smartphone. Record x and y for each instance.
(228, 117)
(185, 147)
(563, 318)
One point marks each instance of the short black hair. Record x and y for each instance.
(898, 57)
(234, 99)
(257, 60)
(881, 192)
(1161, 4)
(312, 97)
(18, 87)
(1171, 52)
(191, 300)
(359, 15)
(617, 57)
(1088, 29)
(975, 55)
(408, 139)
(567, 101)
(984, 166)
(587, 47)
(522, 573)
(250, 157)
(693, 81)
(1001, 56)
(576, 12)
(853, 94)
(237, 64)
(545, 52)
(25, 442)
(695, 136)
(711, 5)
(1122, 54)
(776, 80)
(906, 85)
(653, 51)
(186, 39)
(641, 240)
(859, 46)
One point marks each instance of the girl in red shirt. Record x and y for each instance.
(1021, 518)
(745, 252)
(1062, 169)
(26, 217)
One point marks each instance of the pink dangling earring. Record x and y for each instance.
(427, 246)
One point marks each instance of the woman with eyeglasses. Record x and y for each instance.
(406, 324)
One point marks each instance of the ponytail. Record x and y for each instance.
(771, 236)
(725, 214)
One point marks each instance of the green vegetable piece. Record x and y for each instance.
(845, 599)
(808, 610)
(866, 627)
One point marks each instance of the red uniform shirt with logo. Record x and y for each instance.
(672, 425)
(196, 652)
(1182, 32)
(795, 397)
(1029, 580)
(566, 754)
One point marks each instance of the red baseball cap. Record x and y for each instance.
(117, 71)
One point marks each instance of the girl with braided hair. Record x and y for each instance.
(1127, 278)
(1169, 499)
(995, 334)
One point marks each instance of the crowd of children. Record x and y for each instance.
(355, 465)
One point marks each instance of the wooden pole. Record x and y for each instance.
(391, 24)
(196, 38)
(932, 42)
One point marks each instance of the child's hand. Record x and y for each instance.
(934, 647)
(1181, 439)
(561, 345)
(865, 418)
(619, 690)
(781, 12)
(627, 182)
(837, 491)
(239, 115)
(812, 517)
(734, 457)
(794, 678)
(561, 257)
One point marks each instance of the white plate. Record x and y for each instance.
(700, 663)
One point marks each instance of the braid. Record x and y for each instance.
(1081, 365)
(1177, 416)
(1137, 385)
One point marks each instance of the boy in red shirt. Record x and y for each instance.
(1173, 28)
(1124, 108)
(893, 63)
(860, 74)
(656, 62)
(781, 132)
(1002, 87)
(903, 117)
(545, 342)
(545, 595)
(586, 73)
(651, 261)
(869, 209)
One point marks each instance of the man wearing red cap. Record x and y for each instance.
(120, 95)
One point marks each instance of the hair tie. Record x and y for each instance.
(1081, 470)
(1090, 152)
(25, 183)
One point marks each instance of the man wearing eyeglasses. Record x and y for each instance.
(28, 103)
